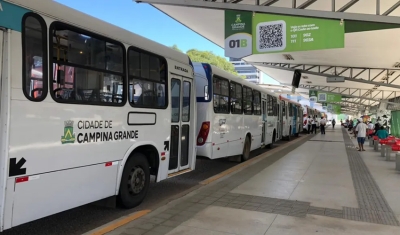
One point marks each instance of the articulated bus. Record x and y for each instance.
(88, 111)
(292, 117)
(234, 116)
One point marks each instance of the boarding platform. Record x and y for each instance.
(320, 184)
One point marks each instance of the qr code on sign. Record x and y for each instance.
(271, 36)
(322, 97)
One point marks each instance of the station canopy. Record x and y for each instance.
(369, 61)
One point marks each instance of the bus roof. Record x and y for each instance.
(219, 72)
(289, 100)
(68, 15)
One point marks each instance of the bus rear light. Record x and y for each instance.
(203, 133)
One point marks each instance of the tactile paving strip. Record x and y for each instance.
(373, 206)
(218, 194)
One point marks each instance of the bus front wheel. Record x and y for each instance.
(135, 181)
(246, 149)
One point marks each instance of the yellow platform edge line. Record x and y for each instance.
(121, 222)
(247, 163)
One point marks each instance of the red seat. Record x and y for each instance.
(383, 141)
(375, 137)
(395, 147)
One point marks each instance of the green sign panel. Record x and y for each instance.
(280, 33)
(324, 97)
(329, 97)
(238, 33)
(334, 108)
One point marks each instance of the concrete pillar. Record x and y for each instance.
(376, 145)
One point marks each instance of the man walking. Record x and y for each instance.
(322, 124)
(361, 131)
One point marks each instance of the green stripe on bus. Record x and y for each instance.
(11, 16)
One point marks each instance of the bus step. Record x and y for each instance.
(179, 173)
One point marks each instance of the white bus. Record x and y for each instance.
(234, 116)
(88, 111)
(292, 117)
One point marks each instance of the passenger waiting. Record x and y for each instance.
(382, 133)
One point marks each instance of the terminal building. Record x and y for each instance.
(244, 69)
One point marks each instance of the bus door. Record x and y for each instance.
(1, 70)
(180, 142)
(278, 120)
(264, 120)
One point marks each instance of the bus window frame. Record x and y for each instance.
(45, 61)
(51, 60)
(167, 78)
(213, 93)
(252, 100)
(259, 104)
(235, 84)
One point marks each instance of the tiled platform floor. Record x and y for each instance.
(320, 184)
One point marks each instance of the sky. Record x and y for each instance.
(147, 21)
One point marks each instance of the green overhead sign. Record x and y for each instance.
(247, 34)
(238, 33)
(280, 33)
(334, 108)
(325, 97)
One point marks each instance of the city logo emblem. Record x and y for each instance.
(238, 20)
(69, 136)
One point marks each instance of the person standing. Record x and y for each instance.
(322, 123)
(313, 125)
(309, 124)
(361, 131)
(333, 123)
(371, 130)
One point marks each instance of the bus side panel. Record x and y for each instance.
(271, 126)
(204, 113)
(253, 124)
(236, 133)
(220, 134)
(34, 199)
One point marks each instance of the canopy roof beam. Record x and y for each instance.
(387, 78)
(277, 10)
(347, 5)
(306, 4)
(392, 8)
(268, 2)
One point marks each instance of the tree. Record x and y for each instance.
(175, 47)
(210, 58)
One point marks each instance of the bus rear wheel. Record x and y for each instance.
(135, 181)
(246, 149)
(273, 141)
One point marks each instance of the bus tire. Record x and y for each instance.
(246, 149)
(135, 181)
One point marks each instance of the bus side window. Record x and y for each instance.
(221, 95)
(34, 43)
(147, 74)
(257, 102)
(86, 68)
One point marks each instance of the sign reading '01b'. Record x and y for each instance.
(238, 34)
